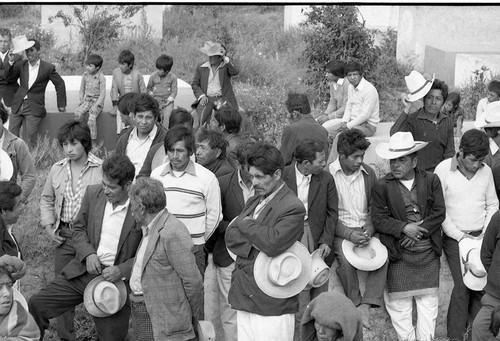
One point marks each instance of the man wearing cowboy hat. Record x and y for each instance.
(212, 81)
(471, 201)
(271, 223)
(407, 210)
(28, 105)
(428, 124)
(490, 122)
(7, 87)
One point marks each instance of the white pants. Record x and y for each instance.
(400, 311)
(253, 327)
(332, 124)
(227, 314)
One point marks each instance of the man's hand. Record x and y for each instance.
(93, 264)
(407, 242)
(406, 103)
(414, 231)
(359, 237)
(113, 111)
(204, 101)
(324, 250)
(54, 235)
(112, 274)
(61, 109)
(322, 118)
(226, 59)
(93, 110)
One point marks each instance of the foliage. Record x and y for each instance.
(470, 94)
(97, 24)
(19, 11)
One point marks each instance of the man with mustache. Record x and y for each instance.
(471, 201)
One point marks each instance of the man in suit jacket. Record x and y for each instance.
(28, 105)
(303, 126)
(315, 187)
(7, 88)
(271, 222)
(104, 215)
(211, 152)
(212, 81)
(166, 285)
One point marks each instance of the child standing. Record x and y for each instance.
(452, 109)
(162, 86)
(125, 79)
(92, 94)
(493, 95)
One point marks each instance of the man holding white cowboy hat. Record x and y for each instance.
(428, 124)
(28, 105)
(268, 229)
(407, 210)
(471, 201)
(490, 122)
(212, 81)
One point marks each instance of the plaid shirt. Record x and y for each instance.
(73, 198)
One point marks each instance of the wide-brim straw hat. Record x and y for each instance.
(367, 258)
(491, 116)
(205, 330)
(21, 43)
(400, 144)
(473, 272)
(212, 49)
(418, 85)
(320, 271)
(103, 298)
(285, 275)
(6, 166)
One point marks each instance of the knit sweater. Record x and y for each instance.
(193, 198)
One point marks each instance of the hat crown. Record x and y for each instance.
(107, 297)
(401, 141)
(492, 112)
(284, 268)
(212, 49)
(21, 43)
(415, 81)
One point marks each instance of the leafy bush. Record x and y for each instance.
(470, 94)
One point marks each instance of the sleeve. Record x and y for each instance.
(173, 93)
(102, 91)
(236, 241)
(383, 220)
(47, 202)
(491, 200)
(342, 106)
(149, 87)
(58, 82)
(214, 207)
(14, 71)
(21, 324)
(369, 107)
(401, 124)
(450, 144)
(332, 105)
(480, 110)
(287, 144)
(232, 69)
(82, 89)
(81, 241)
(489, 241)
(332, 215)
(114, 94)
(148, 161)
(142, 85)
(196, 84)
(437, 214)
(342, 231)
(26, 168)
(348, 106)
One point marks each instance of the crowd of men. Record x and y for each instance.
(132, 233)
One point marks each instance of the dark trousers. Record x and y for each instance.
(24, 117)
(481, 326)
(348, 275)
(464, 303)
(206, 113)
(63, 255)
(61, 295)
(201, 259)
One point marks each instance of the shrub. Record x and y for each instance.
(470, 94)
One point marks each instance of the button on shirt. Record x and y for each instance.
(137, 149)
(303, 182)
(214, 87)
(362, 105)
(112, 224)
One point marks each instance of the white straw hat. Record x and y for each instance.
(418, 85)
(400, 144)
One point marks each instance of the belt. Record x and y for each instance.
(136, 298)
(65, 224)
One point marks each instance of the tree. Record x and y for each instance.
(97, 24)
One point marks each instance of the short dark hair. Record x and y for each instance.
(119, 167)
(5, 32)
(297, 102)
(454, 98)
(307, 150)
(126, 57)
(95, 60)
(475, 142)
(215, 140)
(75, 130)
(125, 103)
(494, 86)
(265, 157)
(180, 116)
(354, 65)
(230, 118)
(37, 45)
(336, 68)
(9, 191)
(439, 85)
(4, 113)
(144, 102)
(164, 62)
(242, 152)
(350, 141)
(150, 193)
(180, 133)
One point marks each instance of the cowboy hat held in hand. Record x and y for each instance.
(103, 298)
(400, 144)
(418, 85)
(491, 116)
(21, 43)
(213, 49)
(473, 272)
(366, 258)
(6, 166)
(320, 271)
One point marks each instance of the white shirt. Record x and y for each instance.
(214, 87)
(247, 192)
(112, 224)
(4, 57)
(353, 204)
(303, 182)
(137, 149)
(362, 105)
(33, 73)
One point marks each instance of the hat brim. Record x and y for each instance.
(209, 52)
(362, 263)
(420, 94)
(206, 330)
(261, 267)
(6, 167)
(471, 280)
(88, 297)
(318, 266)
(483, 124)
(384, 151)
(23, 47)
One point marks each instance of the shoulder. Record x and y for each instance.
(117, 72)
(94, 190)
(443, 166)
(369, 169)
(325, 176)
(203, 173)
(226, 179)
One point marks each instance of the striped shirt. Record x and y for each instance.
(193, 197)
(73, 198)
(353, 204)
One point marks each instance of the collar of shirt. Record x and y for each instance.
(266, 200)
(336, 167)
(147, 228)
(190, 169)
(207, 65)
(340, 81)
(151, 135)
(95, 75)
(4, 55)
(301, 176)
(361, 84)
(118, 208)
(240, 180)
(37, 64)
(493, 147)
(92, 161)
(423, 116)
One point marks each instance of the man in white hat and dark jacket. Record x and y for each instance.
(407, 210)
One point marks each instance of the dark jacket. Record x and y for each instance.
(36, 94)
(121, 145)
(8, 87)
(305, 128)
(9, 245)
(220, 167)
(278, 227)
(389, 214)
(490, 255)
(323, 204)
